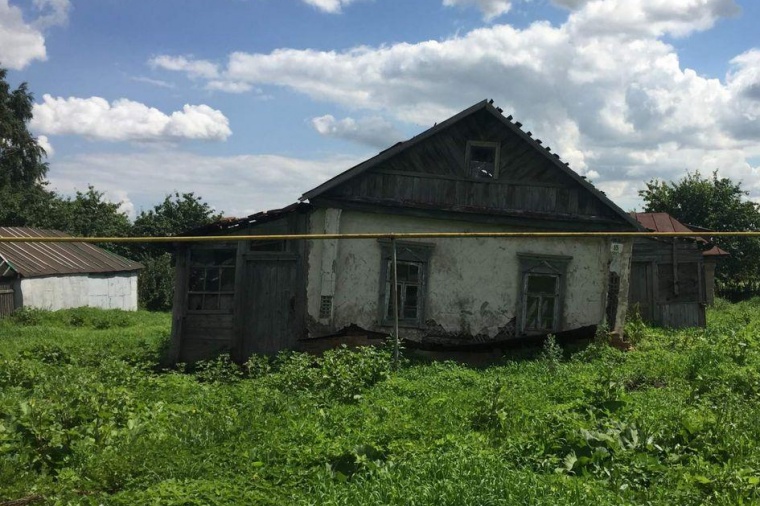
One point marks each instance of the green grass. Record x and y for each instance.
(88, 417)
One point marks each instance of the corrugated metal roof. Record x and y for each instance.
(663, 222)
(32, 259)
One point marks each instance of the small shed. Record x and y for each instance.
(53, 276)
(672, 279)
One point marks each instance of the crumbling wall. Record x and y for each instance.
(473, 285)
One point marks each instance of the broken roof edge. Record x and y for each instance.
(678, 226)
(258, 218)
(514, 127)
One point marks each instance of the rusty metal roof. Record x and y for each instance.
(33, 259)
(663, 222)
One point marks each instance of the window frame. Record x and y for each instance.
(219, 293)
(407, 252)
(541, 265)
(468, 158)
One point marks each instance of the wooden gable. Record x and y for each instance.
(430, 172)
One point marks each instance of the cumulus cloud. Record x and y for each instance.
(260, 181)
(44, 143)
(603, 88)
(373, 131)
(491, 8)
(126, 120)
(20, 43)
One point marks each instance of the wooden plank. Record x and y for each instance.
(179, 305)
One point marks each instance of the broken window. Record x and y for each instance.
(211, 282)
(483, 160)
(541, 293)
(412, 260)
(409, 281)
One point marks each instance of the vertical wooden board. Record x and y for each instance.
(641, 290)
(270, 305)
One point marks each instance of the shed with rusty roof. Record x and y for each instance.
(672, 279)
(59, 275)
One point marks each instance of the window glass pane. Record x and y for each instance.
(226, 302)
(546, 320)
(542, 284)
(410, 302)
(228, 280)
(210, 302)
(413, 273)
(531, 312)
(212, 280)
(195, 302)
(197, 279)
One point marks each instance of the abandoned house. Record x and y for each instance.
(672, 280)
(53, 276)
(475, 172)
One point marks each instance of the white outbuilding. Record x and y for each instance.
(60, 275)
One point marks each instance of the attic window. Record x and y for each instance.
(483, 159)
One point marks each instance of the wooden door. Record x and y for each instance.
(641, 293)
(268, 304)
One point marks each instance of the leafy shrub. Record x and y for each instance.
(218, 370)
(47, 353)
(28, 316)
(551, 355)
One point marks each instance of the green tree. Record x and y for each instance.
(716, 203)
(177, 214)
(21, 157)
(88, 214)
(24, 199)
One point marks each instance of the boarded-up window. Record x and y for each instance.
(212, 280)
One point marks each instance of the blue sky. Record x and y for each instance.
(249, 103)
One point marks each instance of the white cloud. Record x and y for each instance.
(191, 66)
(373, 131)
(260, 181)
(44, 143)
(630, 18)
(126, 120)
(491, 8)
(155, 82)
(52, 13)
(603, 88)
(20, 43)
(229, 86)
(330, 6)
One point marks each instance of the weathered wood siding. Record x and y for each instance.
(667, 283)
(7, 298)
(433, 175)
(268, 311)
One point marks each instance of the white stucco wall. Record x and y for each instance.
(114, 291)
(472, 283)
